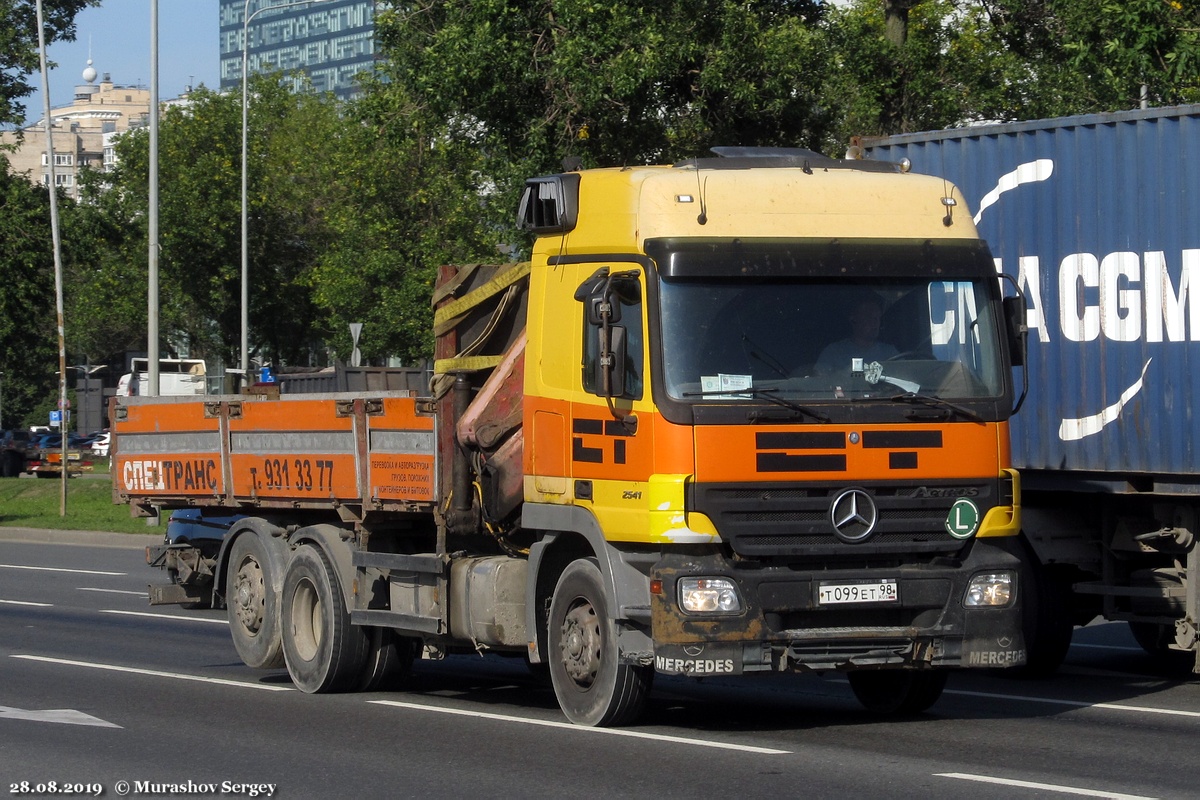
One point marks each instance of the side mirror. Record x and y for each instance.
(1017, 329)
(598, 299)
(611, 364)
(602, 295)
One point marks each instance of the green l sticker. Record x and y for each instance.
(963, 519)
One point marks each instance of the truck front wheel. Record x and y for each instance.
(592, 686)
(898, 692)
(323, 651)
(252, 604)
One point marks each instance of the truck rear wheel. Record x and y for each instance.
(1156, 639)
(252, 603)
(592, 686)
(898, 692)
(323, 651)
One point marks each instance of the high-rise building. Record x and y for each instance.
(330, 41)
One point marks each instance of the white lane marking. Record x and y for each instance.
(24, 603)
(64, 716)
(153, 615)
(963, 776)
(1076, 703)
(110, 591)
(154, 673)
(61, 569)
(568, 726)
(1072, 430)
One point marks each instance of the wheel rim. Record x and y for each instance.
(582, 643)
(250, 596)
(307, 611)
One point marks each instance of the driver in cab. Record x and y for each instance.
(863, 343)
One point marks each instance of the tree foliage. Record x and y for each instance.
(27, 310)
(609, 83)
(27, 305)
(289, 136)
(19, 47)
(970, 60)
(408, 196)
(352, 207)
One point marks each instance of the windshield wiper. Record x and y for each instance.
(936, 402)
(763, 394)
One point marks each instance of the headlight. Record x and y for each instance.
(709, 596)
(991, 589)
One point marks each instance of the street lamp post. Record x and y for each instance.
(152, 311)
(57, 244)
(246, 17)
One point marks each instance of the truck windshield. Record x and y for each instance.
(814, 340)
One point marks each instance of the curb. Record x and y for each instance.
(132, 541)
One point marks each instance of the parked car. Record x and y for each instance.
(100, 444)
(44, 455)
(193, 539)
(14, 445)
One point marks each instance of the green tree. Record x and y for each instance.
(961, 61)
(609, 83)
(290, 136)
(19, 47)
(27, 307)
(405, 197)
(28, 350)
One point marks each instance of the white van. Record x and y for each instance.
(176, 376)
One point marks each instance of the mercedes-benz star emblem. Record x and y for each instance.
(853, 515)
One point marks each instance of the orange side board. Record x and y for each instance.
(306, 451)
(168, 448)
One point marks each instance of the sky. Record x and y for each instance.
(117, 34)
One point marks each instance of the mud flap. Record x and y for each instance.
(993, 638)
(699, 660)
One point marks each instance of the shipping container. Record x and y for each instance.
(1096, 217)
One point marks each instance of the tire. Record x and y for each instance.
(252, 603)
(389, 661)
(323, 651)
(592, 686)
(897, 692)
(12, 465)
(1047, 621)
(1156, 640)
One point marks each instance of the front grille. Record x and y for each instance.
(767, 520)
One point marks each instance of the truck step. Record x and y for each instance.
(1131, 591)
(401, 562)
(174, 593)
(394, 619)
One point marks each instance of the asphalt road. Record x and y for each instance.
(99, 690)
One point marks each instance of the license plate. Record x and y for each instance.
(829, 594)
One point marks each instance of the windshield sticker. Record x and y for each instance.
(721, 386)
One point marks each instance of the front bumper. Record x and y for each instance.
(783, 626)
